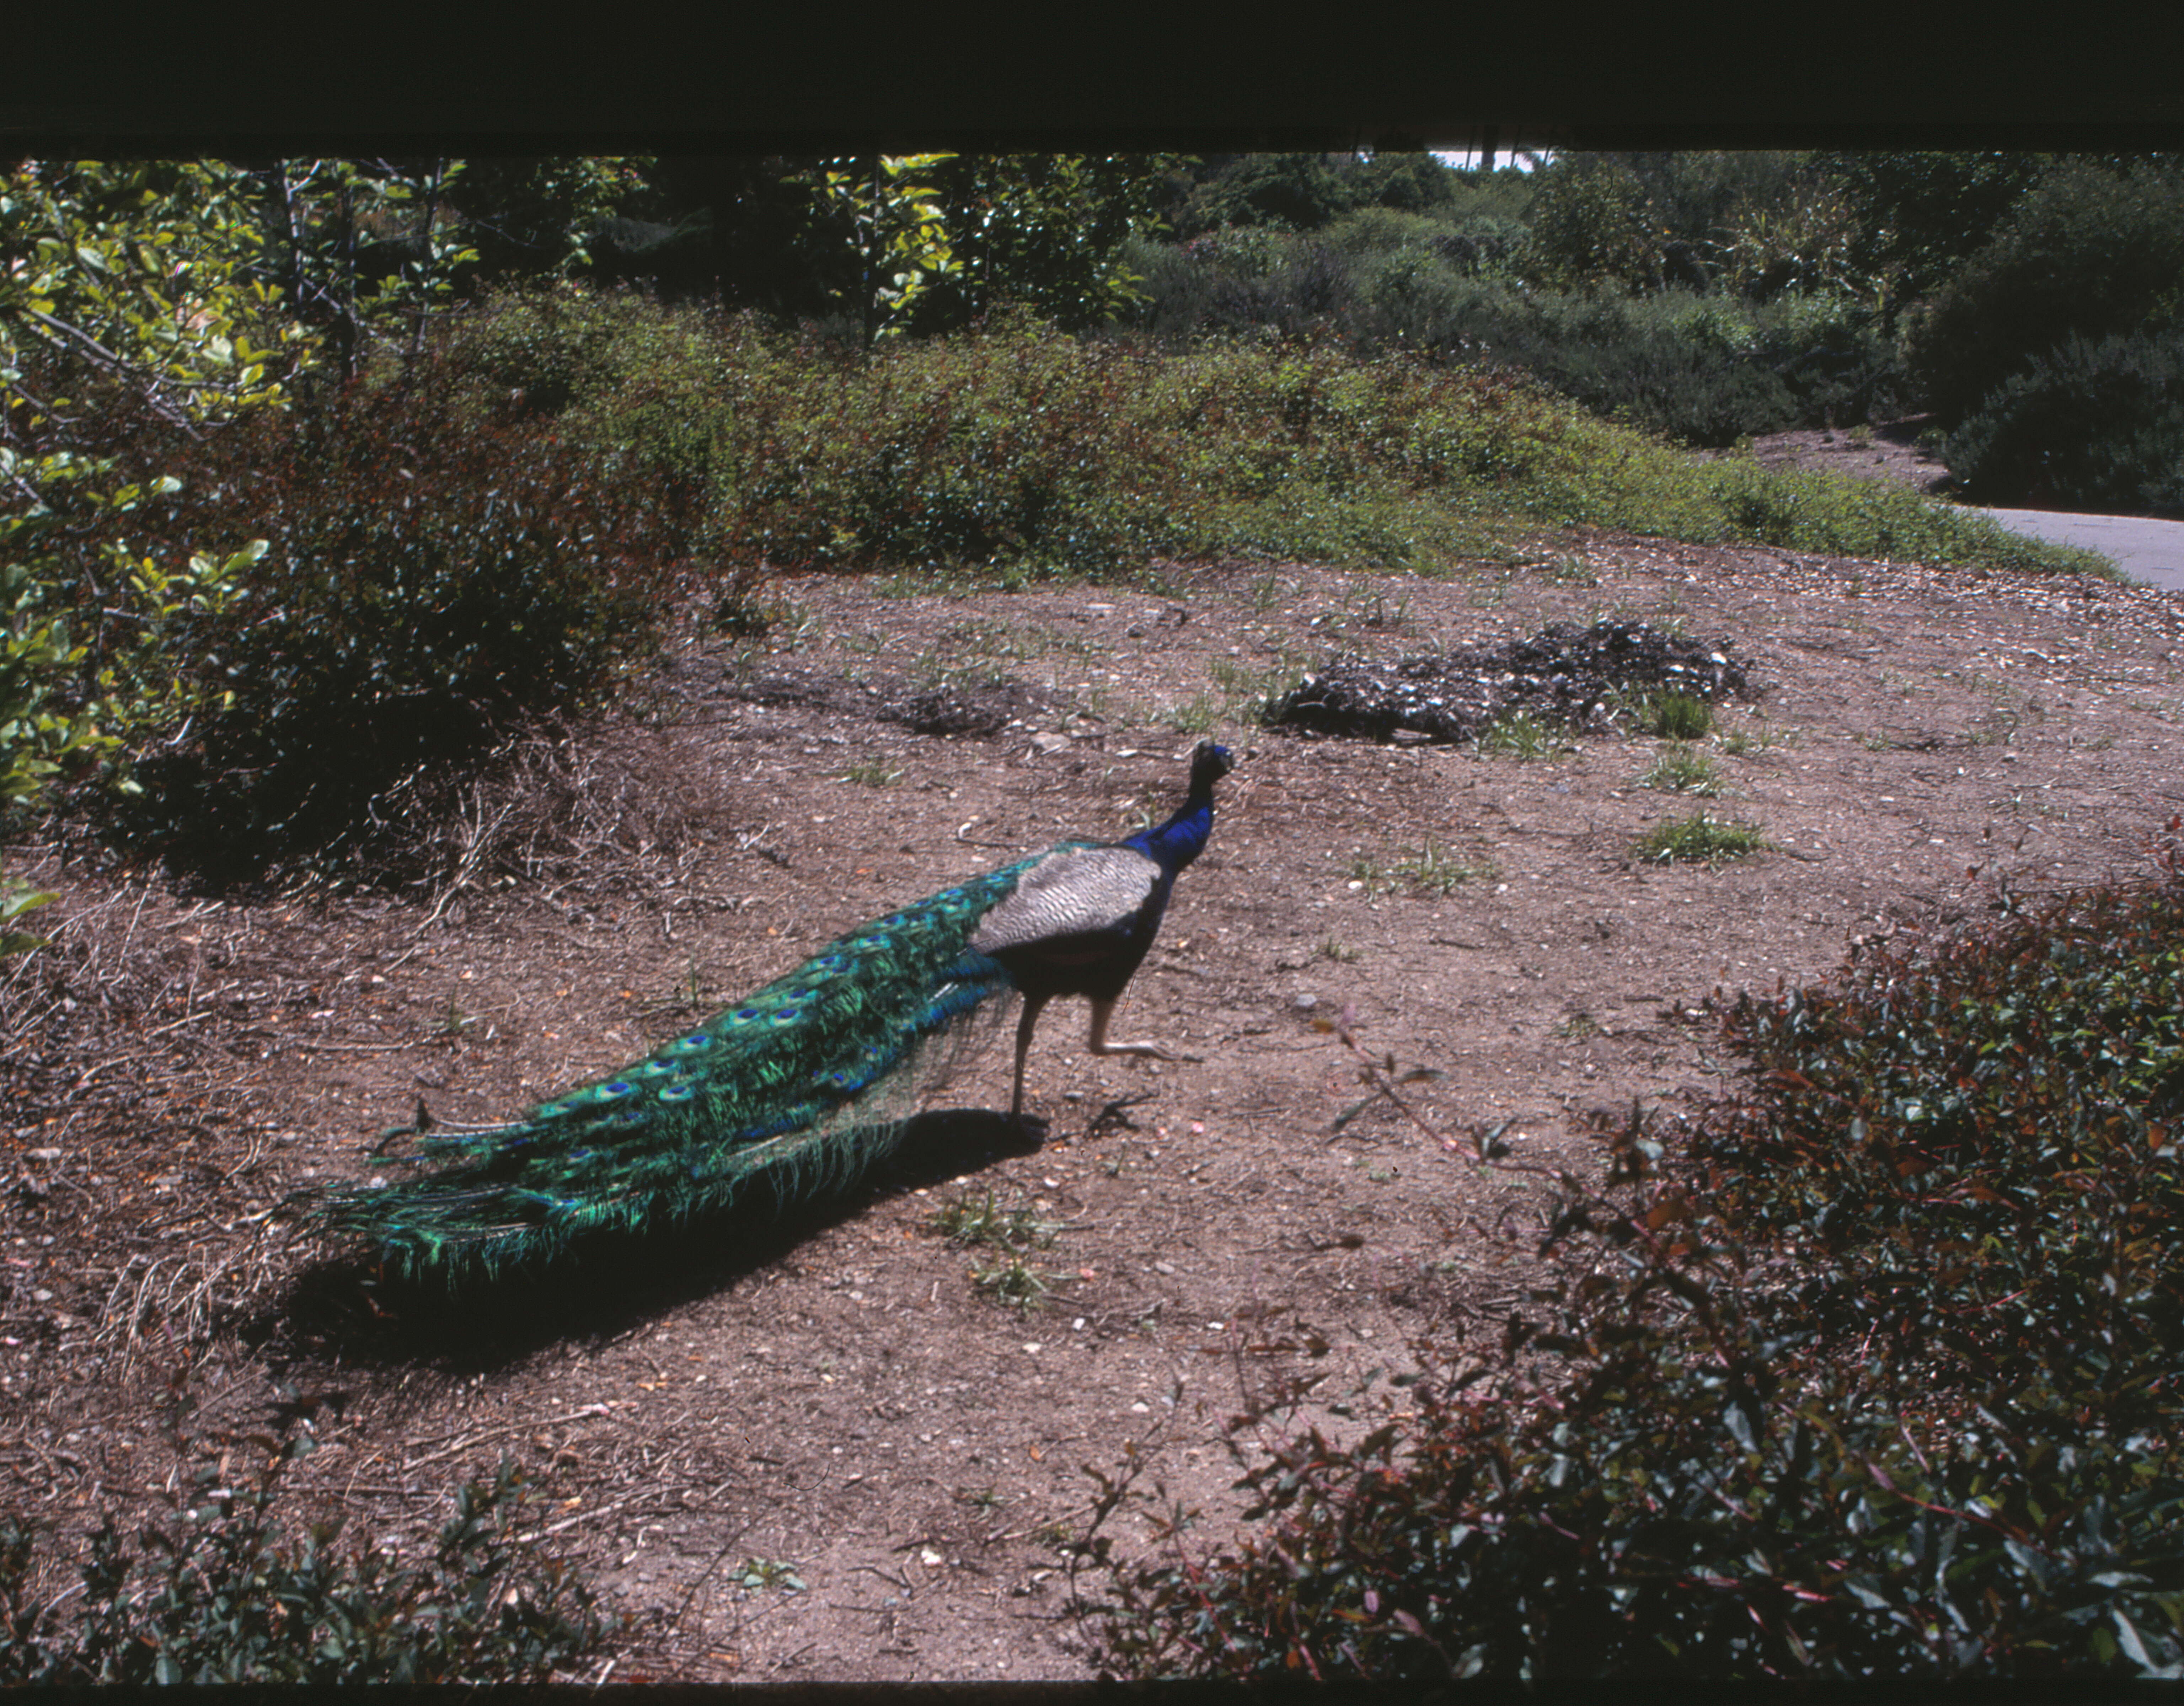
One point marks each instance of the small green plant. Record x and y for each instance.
(1340, 952)
(1439, 870)
(1738, 742)
(1578, 1028)
(1011, 1281)
(1676, 717)
(766, 1575)
(1697, 840)
(1246, 692)
(16, 899)
(980, 637)
(1522, 737)
(746, 609)
(979, 1220)
(1682, 768)
(1198, 715)
(873, 772)
(1571, 571)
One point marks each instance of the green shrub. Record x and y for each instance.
(2093, 426)
(433, 577)
(1866, 1371)
(2088, 250)
(635, 381)
(1677, 717)
(1013, 446)
(1592, 226)
(1698, 840)
(220, 1595)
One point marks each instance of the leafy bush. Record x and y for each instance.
(1703, 369)
(220, 1595)
(635, 382)
(1286, 192)
(1870, 1374)
(1926, 212)
(1593, 225)
(2088, 250)
(433, 575)
(2093, 426)
(1022, 447)
(1010, 447)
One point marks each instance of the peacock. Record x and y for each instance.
(783, 1085)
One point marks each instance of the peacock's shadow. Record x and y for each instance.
(606, 1284)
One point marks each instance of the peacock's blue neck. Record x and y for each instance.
(1183, 837)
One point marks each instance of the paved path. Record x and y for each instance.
(2145, 549)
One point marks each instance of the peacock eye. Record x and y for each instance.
(692, 1043)
(744, 1015)
(786, 1014)
(609, 1092)
(675, 1092)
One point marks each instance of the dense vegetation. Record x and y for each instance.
(323, 478)
(221, 1593)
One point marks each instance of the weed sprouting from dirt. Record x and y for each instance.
(873, 772)
(1522, 737)
(1697, 840)
(1681, 768)
(1675, 717)
(1436, 869)
(977, 1220)
(1011, 1281)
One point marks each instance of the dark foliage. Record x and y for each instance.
(736, 227)
(1287, 191)
(2096, 425)
(218, 1594)
(1870, 1373)
(1702, 370)
(2090, 250)
(435, 576)
(1925, 213)
(1044, 230)
(1691, 389)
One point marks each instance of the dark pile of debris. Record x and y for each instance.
(1577, 677)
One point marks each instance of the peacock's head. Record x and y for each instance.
(1208, 764)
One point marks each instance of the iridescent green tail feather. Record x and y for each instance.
(780, 1085)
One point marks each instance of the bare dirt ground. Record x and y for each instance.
(1888, 452)
(817, 1446)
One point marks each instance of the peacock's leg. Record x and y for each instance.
(1104, 1010)
(1031, 1005)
